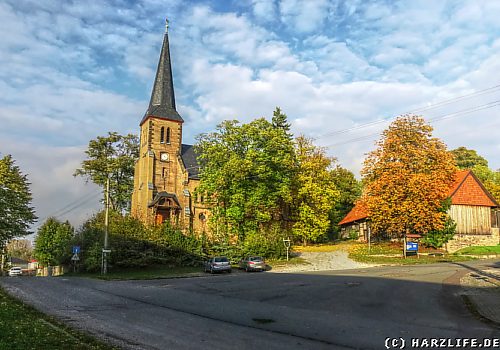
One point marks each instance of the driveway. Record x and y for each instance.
(324, 261)
(346, 309)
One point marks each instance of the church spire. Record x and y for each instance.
(162, 103)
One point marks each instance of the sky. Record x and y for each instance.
(341, 70)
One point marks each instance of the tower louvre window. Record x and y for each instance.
(162, 134)
(168, 135)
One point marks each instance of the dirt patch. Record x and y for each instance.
(323, 261)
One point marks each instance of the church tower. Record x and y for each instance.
(166, 173)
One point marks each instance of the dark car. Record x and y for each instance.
(252, 263)
(217, 264)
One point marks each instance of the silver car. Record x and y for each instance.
(15, 271)
(217, 264)
(252, 263)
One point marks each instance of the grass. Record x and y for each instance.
(488, 250)
(320, 248)
(391, 253)
(145, 273)
(23, 327)
(294, 260)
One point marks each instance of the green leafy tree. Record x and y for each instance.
(114, 155)
(468, 158)
(490, 179)
(316, 193)
(16, 212)
(247, 172)
(406, 179)
(53, 242)
(350, 191)
(437, 238)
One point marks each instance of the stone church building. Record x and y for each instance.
(166, 173)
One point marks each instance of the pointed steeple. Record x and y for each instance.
(162, 103)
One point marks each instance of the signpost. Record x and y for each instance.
(411, 246)
(75, 258)
(287, 243)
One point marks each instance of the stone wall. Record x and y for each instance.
(467, 240)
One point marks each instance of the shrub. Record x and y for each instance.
(437, 238)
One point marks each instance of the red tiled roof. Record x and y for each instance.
(466, 190)
(359, 212)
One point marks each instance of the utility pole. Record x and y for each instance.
(106, 224)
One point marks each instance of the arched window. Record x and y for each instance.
(162, 134)
(168, 135)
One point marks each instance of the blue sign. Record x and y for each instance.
(411, 246)
(76, 249)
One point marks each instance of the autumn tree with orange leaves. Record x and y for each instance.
(407, 179)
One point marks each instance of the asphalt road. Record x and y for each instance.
(351, 309)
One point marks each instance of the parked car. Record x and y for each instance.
(217, 264)
(252, 263)
(15, 271)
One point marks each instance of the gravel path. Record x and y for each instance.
(322, 261)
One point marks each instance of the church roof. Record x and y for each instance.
(162, 102)
(190, 160)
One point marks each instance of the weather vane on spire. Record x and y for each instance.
(166, 25)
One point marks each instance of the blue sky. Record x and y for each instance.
(74, 70)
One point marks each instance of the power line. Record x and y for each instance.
(435, 119)
(69, 208)
(421, 109)
(76, 201)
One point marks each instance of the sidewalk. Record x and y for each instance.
(483, 290)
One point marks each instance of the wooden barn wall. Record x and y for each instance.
(471, 219)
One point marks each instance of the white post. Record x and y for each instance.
(369, 239)
(106, 223)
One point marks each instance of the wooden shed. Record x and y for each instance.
(474, 210)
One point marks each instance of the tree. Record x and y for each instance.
(350, 191)
(489, 178)
(20, 248)
(468, 158)
(407, 178)
(316, 193)
(16, 212)
(247, 172)
(53, 242)
(113, 156)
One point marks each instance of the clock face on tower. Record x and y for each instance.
(164, 157)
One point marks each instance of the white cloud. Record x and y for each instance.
(50, 171)
(264, 10)
(70, 73)
(304, 16)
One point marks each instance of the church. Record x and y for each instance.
(166, 174)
